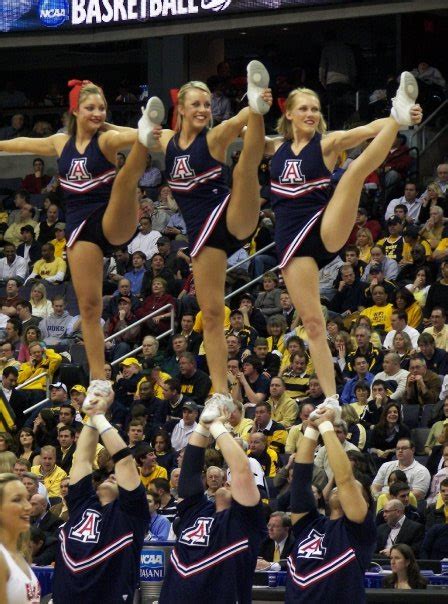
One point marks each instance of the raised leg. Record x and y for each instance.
(340, 214)
(86, 266)
(301, 276)
(209, 269)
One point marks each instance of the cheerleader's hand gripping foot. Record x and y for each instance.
(403, 102)
(152, 116)
(214, 407)
(257, 82)
(331, 402)
(99, 397)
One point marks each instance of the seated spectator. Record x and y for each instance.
(435, 543)
(363, 222)
(388, 432)
(261, 452)
(297, 431)
(151, 178)
(398, 489)
(432, 230)
(405, 301)
(17, 127)
(436, 358)
(157, 300)
(25, 218)
(321, 459)
(24, 313)
(7, 358)
(366, 349)
(423, 385)
(410, 200)
(393, 243)
(51, 473)
(57, 329)
(122, 344)
(296, 378)
(158, 269)
(438, 291)
(12, 265)
(159, 526)
(238, 327)
(397, 163)
(275, 432)
(364, 244)
(276, 326)
(361, 397)
(380, 312)
(437, 496)
(253, 316)
(237, 424)
(50, 268)
(327, 277)
(405, 570)
(135, 434)
(398, 528)
(59, 242)
(270, 360)
(193, 339)
(349, 296)
(194, 383)
(439, 328)
(40, 306)
(43, 547)
(156, 409)
(30, 334)
(42, 518)
(362, 374)
(34, 183)
(146, 461)
(9, 302)
(45, 428)
(66, 447)
(402, 346)
(388, 267)
(183, 429)
(356, 433)
(168, 505)
(394, 377)
(111, 303)
(284, 408)
(214, 480)
(417, 475)
(399, 322)
(47, 227)
(437, 429)
(135, 276)
(254, 385)
(40, 361)
(276, 548)
(175, 398)
(126, 386)
(268, 301)
(146, 240)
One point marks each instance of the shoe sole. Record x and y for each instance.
(257, 75)
(409, 85)
(155, 111)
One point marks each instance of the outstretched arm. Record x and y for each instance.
(39, 146)
(350, 495)
(302, 498)
(84, 455)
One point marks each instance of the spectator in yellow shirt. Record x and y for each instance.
(49, 471)
(440, 253)
(40, 361)
(60, 241)
(49, 267)
(381, 312)
(146, 460)
(26, 217)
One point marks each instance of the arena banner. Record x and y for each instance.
(40, 15)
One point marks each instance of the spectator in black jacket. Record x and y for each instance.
(193, 338)
(271, 360)
(124, 289)
(125, 387)
(156, 410)
(194, 383)
(435, 515)
(66, 448)
(255, 316)
(350, 293)
(438, 292)
(30, 249)
(398, 529)
(400, 490)
(435, 543)
(436, 358)
(275, 550)
(43, 547)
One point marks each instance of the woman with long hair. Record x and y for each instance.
(276, 327)
(405, 300)
(27, 448)
(311, 223)
(101, 206)
(402, 345)
(7, 442)
(218, 220)
(405, 570)
(387, 433)
(421, 284)
(18, 583)
(41, 307)
(364, 243)
(165, 454)
(31, 334)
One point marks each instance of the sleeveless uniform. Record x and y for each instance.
(86, 179)
(215, 554)
(20, 589)
(99, 557)
(300, 191)
(329, 559)
(202, 194)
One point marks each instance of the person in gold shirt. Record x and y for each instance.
(60, 241)
(284, 408)
(146, 460)
(381, 312)
(237, 424)
(49, 471)
(49, 267)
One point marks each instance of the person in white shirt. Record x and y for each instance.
(439, 328)
(393, 373)
(399, 321)
(184, 428)
(418, 476)
(12, 266)
(409, 199)
(146, 240)
(321, 460)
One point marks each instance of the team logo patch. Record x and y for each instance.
(78, 169)
(87, 530)
(312, 547)
(197, 535)
(292, 172)
(182, 168)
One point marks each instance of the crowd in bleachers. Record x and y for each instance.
(385, 298)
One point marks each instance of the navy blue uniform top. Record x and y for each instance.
(99, 557)
(329, 559)
(86, 179)
(215, 555)
(197, 181)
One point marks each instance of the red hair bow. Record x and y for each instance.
(76, 87)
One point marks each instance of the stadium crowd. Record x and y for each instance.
(385, 298)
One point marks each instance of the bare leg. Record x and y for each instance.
(120, 218)
(86, 266)
(301, 276)
(209, 269)
(340, 214)
(244, 205)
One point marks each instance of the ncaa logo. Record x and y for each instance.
(215, 5)
(53, 13)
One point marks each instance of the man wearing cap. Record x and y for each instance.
(30, 249)
(125, 388)
(12, 265)
(392, 245)
(111, 304)
(362, 222)
(185, 427)
(59, 241)
(412, 238)
(77, 395)
(409, 199)
(50, 268)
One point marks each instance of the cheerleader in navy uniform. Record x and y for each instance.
(101, 208)
(218, 220)
(312, 223)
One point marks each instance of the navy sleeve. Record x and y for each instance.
(363, 533)
(81, 494)
(253, 517)
(305, 521)
(134, 503)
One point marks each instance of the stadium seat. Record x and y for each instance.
(79, 357)
(419, 436)
(426, 416)
(71, 374)
(410, 415)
